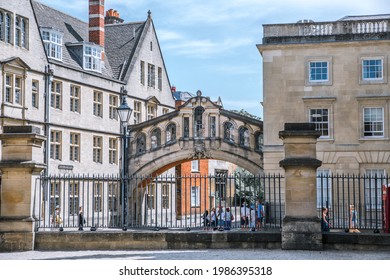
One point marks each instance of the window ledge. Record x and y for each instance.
(374, 139)
(331, 140)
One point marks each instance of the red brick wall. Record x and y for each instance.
(189, 179)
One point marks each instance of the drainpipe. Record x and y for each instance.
(46, 187)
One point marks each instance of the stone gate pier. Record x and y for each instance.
(21, 163)
(301, 227)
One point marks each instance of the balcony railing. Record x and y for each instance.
(326, 28)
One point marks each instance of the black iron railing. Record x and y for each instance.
(156, 202)
(180, 202)
(353, 201)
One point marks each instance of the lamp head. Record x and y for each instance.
(124, 112)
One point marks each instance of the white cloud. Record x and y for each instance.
(168, 35)
(182, 45)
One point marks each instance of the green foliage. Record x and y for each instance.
(248, 186)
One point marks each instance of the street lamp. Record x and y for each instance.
(124, 113)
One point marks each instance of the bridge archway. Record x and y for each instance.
(198, 129)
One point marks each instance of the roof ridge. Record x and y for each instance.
(124, 23)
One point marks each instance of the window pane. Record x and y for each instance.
(372, 69)
(373, 122)
(324, 189)
(320, 117)
(318, 71)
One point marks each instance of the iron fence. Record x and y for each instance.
(180, 202)
(353, 201)
(155, 202)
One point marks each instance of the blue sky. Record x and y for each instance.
(210, 45)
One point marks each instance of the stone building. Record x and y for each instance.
(67, 77)
(334, 74)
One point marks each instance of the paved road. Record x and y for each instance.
(208, 254)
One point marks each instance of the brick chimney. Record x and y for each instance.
(96, 22)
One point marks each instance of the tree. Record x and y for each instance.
(249, 187)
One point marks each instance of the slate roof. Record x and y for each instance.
(120, 43)
(182, 95)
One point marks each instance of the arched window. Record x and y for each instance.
(186, 127)
(141, 146)
(198, 123)
(171, 133)
(155, 139)
(244, 136)
(228, 130)
(258, 141)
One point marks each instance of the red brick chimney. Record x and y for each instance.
(96, 22)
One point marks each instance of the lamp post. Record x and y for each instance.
(124, 113)
(49, 73)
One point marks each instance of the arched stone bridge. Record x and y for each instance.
(198, 129)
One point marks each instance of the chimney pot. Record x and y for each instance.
(112, 17)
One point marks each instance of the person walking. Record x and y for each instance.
(324, 219)
(81, 220)
(352, 219)
(244, 213)
(56, 219)
(260, 215)
(206, 220)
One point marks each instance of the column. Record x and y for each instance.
(301, 227)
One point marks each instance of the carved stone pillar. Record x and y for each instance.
(301, 228)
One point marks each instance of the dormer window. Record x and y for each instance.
(53, 43)
(92, 58)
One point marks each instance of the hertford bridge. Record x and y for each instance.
(198, 129)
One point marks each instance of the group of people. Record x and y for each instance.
(57, 220)
(220, 218)
(325, 224)
(251, 217)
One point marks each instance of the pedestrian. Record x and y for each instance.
(81, 220)
(227, 219)
(352, 219)
(213, 219)
(252, 218)
(260, 215)
(324, 219)
(244, 213)
(220, 215)
(56, 219)
(206, 220)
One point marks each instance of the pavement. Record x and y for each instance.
(201, 254)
